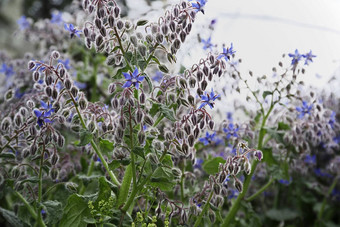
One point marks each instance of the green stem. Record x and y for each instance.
(205, 208)
(28, 206)
(89, 173)
(260, 190)
(235, 207)
(39, 219)
(182, 183)
(335, 181)
(94, 146)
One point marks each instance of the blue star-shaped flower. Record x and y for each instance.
(198, 6)
(207, 43)
(308, 57)
(158, 77)
(7, 70)
(66, 63)
(133, 79)
(43, 116)
(209, 138)
(57, 18)
(231, 130)
(310, 159)
(227, 52)
(305, 109)
(23, 23)
(296, 57)
(208, 99)
(73, 31)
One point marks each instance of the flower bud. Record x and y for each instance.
(54, 158)
(15, 172)
(258, 155)
(99, 40)
(139, 116)
(191, 140)
(199, 75)
(211, 124)
(36, 76)
(176, 172)
(82, 103)
(204, 85)
(196, 132)
(159, 38)
(212, 216)
(116, 11)
(153, 158)
(71, 187)
(120, 24)
(247, 167)
(141, 49)
(18, 119)
(61, 141)
(55, 55)
(148, 120)
(54, 173)
(165, 29)
(111, 20)
(172, 26)
(238, 185)
(185, 148)
(177, 44)
(192, 82)
(54, 93)
(179, 134)
(68, 84)
(141, 137)
(182, 36)
(142, 98)
(115, 103)
(74, 91)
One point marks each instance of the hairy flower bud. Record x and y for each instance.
(238, 185)
(153, 158)
(211, 124)
(187, 128)
(191, 140)
(183, 83)
(159, 38)
(182, 36)
(120, 24)
(185, 148)
(139, 116)
(204, 85)
(142, 98)
(177, 44)
(54, 93)
(54, 158)
(31, 65)
(116, 11)
(141, 137)
(179, 134)
(142, 50)
(148, 120)
(36, 76)
(74, 91)
(54, 173)
(68, 84)
(82, 103)
(192, 82)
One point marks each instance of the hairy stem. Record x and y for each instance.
(205, 208)
(252, 197)
(28, 206)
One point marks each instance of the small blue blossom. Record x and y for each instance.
(43, 116)
(198, 163)
(209, 138)
(23, 23)
(332, 120)
(310, 159)
(336, 139)
(231, 131)
(233, 194)
(227, 52)
(207, 44)
(73, 31)
(296, 57)
(208, 99)
(198, 6)
(7, 70)
(308, 57)
(318, 172)
(158, 77)
(305, 109)
(229, 116)
(285, 182)
(66, 63)
(133, 79)
(57, 18)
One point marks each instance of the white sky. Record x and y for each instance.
(262, 30)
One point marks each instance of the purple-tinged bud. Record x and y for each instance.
(55, 55)
(142, 98)
(204, 85)
(141, 137)
(194, 119)
(165, 29)
(192, 82)
(182, 36)
(205, 70)
(139, 116)
(33, 149)
(104, 127)
(172, 26)
(91, 8)
(217, 189)
(62, 72)
(191, 100)
(116, 11)
(185, 148)
(54, 93)
(26, 153)
(54, 158)
(187, 128)
(110, 127)
(210, 76)
(36, 76)
(177, 44)
(54, 173)
(112, 88)
(247, 167)
(120, 24)
(128, 25)
(216, 70)
(48, 80)
(115, 103)
(159, 38)
(238, 185)
(101, 13)
(176, 12)
(74, 91)
(148, 120)
(199, 91)
(85, 4)
(176, 172)
(142, 50)
(61, 141)
(86, 32)
(153, 158)
(199, 75)
(103, 31)
(183, 83)
(219, 200)
(212, 59)
(258, 155)
(211, 124)
(179, 134)
(191, 140)
(18, 119)
(31, 65)
(82, 103)
(196, 132)
(99, 40)
(68, 84)
(122, 122)
(184, 5)
(111, 20)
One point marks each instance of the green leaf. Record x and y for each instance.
(282, 214)
(104, 191)
(142, 22)
(268, 156)
(7, 155)
(168, 113)
(125, 187)
(85, 137)
(163, 179)
(105, 146)
(75, 211)
(149, 81)
(155, 60)
(283, 126)
(154, 109)
(142, 64)
(167, 161)
(54, 211)
(128, 56)
(139, 151)
(211, 166)
(266, 93)
(11, 218)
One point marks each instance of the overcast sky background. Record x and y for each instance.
(263, 30)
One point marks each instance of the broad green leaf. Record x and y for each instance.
(105, 146)
(7, 155)
(54, 211)
(163, 179)
(282, 214)
(149, 81)
(75, 211)
(266, 93)
(154, 109)
(10, 217)
(283, 126)
(125, 187)
(167, 161)
(268, 156)
(168, 113)
(104, 191)
(139, 151)
(85, 137)
(211, 166)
